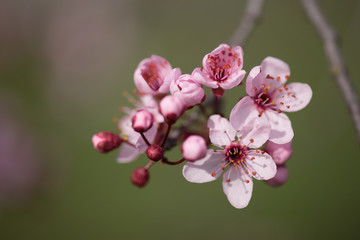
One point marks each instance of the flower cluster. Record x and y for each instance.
(254, 142)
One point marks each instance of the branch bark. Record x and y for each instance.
(336, 60)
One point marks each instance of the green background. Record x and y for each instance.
(66, 64)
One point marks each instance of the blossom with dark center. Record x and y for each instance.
(236, 157)
(270, 96)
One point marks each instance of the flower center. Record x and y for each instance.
(235, 153)
(151, 75)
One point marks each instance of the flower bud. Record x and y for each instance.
(140, 177)
(188, 90)
(142, 121)
(280, 153)
(194, 148)
(171, 108)
(106, 141)
(280, 178)
(155, 152)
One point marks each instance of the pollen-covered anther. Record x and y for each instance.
(251, 140)
(227, 180)
(222, 167)
(288, 106)
(253, 158)
(262, 152)
(253, 173)
(279, 111)
(247, 181)
(213, 174)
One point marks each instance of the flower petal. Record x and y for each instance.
(299, 95)
(202, 77)
(221, 131)
(245, 118)
(250, 90)
(201, 170)
(275, 68)
(239, 189)
(127, 154)
(234, 80)
(281, 129)
(169, 78)
(262, 166)
(150, 136)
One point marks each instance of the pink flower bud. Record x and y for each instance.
(142, 121)
(140, 177)
(106, 141)
(188, 90)
(155, 152)
(194, 148)
(280, 178)
(279, 152)
(171, 108)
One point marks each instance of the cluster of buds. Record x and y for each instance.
(255, 142)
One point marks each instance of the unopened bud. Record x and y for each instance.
(106, 141)
(171, 108)
(140, 176)
(280, 153)
(155, 152)
(280, 178)
(142, 121)
(194, 148)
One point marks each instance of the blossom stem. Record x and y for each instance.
(217, 105)
(164, 160)
(166, 135)
(336, 60)
(145, 139)
(150, 163)
(204, 111)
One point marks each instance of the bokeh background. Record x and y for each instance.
(63, 68)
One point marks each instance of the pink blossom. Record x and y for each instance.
(142, 121)
(279, 152)
(194, 148)
(188, 90)
(171, 108)
(154, 75)
(237, 154)
(222, 68)
(269, 95)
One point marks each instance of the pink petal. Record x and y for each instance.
(201, 170)
(262, 166)
(249, 82)
(245, 118)
(127, 154)
(169, 78)
(202, 77)
(237, 190)
(275, 68)
(299, 97)
(221, 131)
(281, 129)
(150, 136)
(234, 80)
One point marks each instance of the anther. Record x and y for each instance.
(213, 174)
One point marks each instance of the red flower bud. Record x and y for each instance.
(140, 177)
(106, 141)
(155, 152)
(171, 108)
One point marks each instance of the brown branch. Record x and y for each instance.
(336, 60)
(247, 23)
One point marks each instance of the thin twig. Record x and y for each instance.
(336, 60)
(247, 23)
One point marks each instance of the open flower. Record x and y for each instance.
(237, 155)
(222, 68)
(269, 94)
(154, 75)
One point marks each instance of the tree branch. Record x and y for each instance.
(336, 60)
(247, 23)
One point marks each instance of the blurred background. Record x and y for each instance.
(63, 68)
